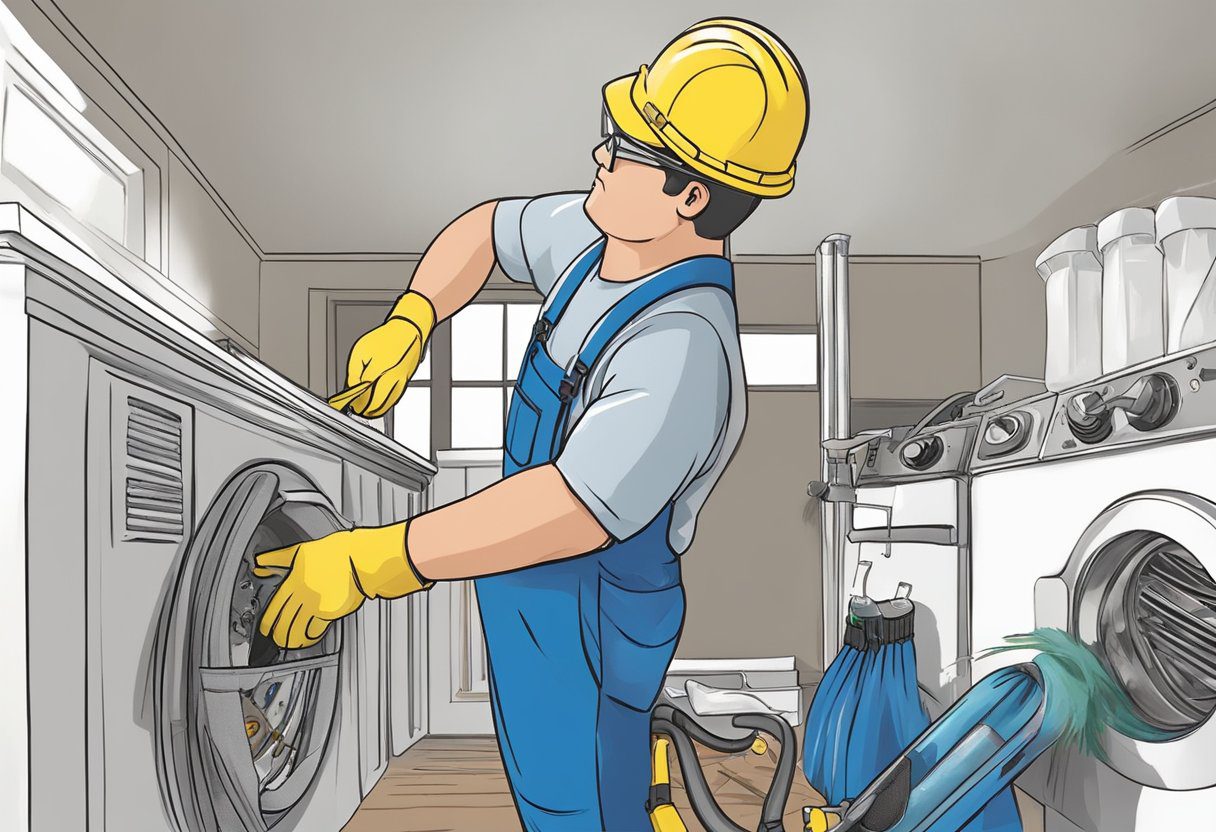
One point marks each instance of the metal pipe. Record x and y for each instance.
(832, 282)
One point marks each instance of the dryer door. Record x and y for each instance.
(244, 725)
(1140, 593)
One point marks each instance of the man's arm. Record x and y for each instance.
(525, 519)
(458, 262)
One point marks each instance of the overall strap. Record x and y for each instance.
(569, 284)
(710, 271)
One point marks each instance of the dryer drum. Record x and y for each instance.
(1152, 606)
(242, 725)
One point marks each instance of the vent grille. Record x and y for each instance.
(155, 507)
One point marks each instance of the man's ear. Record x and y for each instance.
(693, 200)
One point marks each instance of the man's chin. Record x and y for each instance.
(589, 208)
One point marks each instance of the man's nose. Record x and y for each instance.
(600, 155)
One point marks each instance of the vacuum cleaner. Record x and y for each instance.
(948, 775)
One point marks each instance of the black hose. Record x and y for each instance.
(680, 728)
(783, 778)
(699, 795)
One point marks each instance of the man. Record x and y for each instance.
(629, 405)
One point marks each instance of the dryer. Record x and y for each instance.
(157, 465)
(1111, 535)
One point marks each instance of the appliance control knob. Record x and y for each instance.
(1088, 417)
(922, 452)
(1155, 401)
(1005, 434)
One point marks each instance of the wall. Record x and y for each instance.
(203, 261)
(753, 574)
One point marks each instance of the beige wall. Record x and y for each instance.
(1014, 316)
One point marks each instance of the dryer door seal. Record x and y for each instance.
(243, 724)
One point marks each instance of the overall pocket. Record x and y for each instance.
(639, 630)
(522, 422)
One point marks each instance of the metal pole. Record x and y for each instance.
(832, 280)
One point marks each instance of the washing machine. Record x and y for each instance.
(911, 519)
(1110, 534)
(158, 464)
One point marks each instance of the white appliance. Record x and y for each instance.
(1073, 276)
(1186, 235)
(156, 464)
(1133, 315)
(911, 517)
(1111, 535)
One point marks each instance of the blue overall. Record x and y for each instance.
(578, 648)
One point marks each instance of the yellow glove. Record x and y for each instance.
(388, 355)
(330, 577)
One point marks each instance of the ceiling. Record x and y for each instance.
(364, 126)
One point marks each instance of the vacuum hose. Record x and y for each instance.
(683, 730)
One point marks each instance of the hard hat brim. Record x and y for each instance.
(620, 97)
(619, 101)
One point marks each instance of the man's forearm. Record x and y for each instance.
(458, 262)
(526, 519)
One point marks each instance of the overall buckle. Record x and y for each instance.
(573, 380)
(541, 329)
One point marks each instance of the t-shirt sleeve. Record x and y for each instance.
(654, 424)
(536, 238)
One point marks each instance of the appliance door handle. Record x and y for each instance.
(933, 535)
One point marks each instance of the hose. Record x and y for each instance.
(682, 730)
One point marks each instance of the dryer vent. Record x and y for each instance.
(154, 494)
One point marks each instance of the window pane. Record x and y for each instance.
(412, 420)
(477, 343)
(520, 318)
(477, 417)
(53, 159)
(779, 358)
(423, 373)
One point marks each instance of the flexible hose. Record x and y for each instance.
(680, 728)
(783, 777)
(704, 806)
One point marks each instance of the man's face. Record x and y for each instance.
(628, 203)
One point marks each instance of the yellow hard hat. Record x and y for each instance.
(727, 98)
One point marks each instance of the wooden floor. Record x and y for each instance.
(458, 784)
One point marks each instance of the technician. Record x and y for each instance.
(630, 403)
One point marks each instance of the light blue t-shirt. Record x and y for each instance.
(662, 412)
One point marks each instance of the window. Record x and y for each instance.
(52, 151)
(488, 341)
(412, 414)
(780, 358)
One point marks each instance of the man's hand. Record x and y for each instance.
(329, 578)
(388, 355)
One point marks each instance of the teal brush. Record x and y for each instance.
(1080, 693)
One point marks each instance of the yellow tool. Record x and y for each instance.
(663, 815)
(817, 820)
(340, 401)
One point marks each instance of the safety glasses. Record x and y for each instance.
(620, 146)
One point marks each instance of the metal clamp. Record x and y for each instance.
(541, 329)
(573, 380)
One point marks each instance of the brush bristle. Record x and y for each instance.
(1080, 693)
